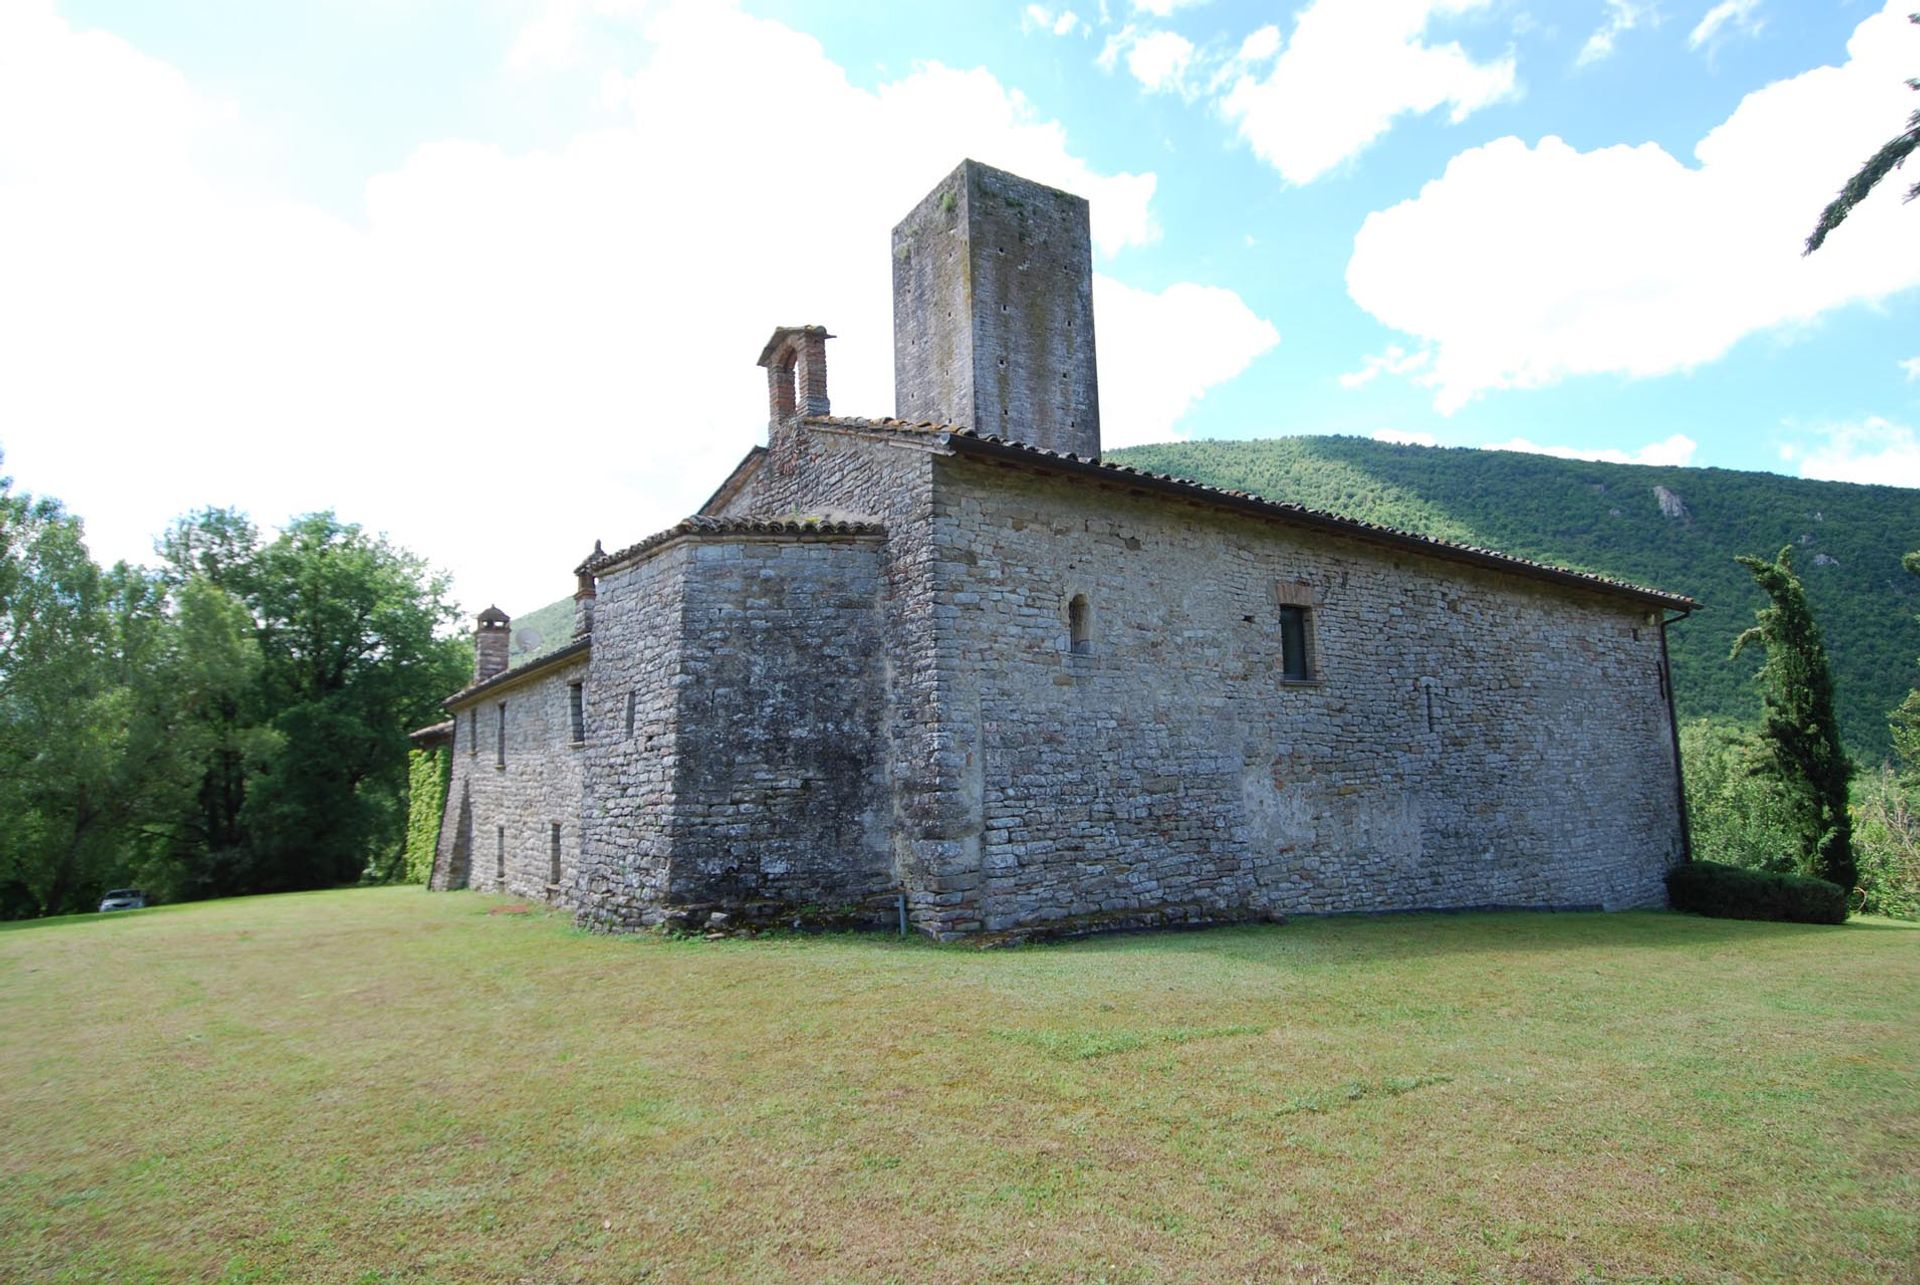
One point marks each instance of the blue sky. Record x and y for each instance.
(492, 276)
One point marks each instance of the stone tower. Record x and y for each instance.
(993, 311)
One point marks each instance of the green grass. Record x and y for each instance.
(390, 1085)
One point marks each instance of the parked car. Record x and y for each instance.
(124, 899)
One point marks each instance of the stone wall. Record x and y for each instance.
(755, 767)
(502, 810)
(818, 718)
(820, 469)
(633, 740)
(1468, 738)
(993, 311)
(782, 791)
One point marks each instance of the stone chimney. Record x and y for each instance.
(490, 643)
(584, 594)
(796, 363)
(993, 311)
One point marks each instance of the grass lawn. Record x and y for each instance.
(388, 1085)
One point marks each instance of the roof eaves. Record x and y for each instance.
(699, 526)
(966, 441)
(527, 669)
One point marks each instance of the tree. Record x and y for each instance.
(1799, 729)
(92, 771)
(1905, 722)
(351, 661)
(1882, 163)
(1737, 812)
(223, 727)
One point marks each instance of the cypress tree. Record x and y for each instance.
(1800, 730)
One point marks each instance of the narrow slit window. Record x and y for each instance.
(473, 730)
(1293, 644)
(500, 854)
(500, 735)
(633, 702)
(1080, 626)
(553, 856)
(577, 712)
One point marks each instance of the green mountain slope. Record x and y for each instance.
(1608, 517)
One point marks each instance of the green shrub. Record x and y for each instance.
(1886, 837)
(428, 772)
(1739, 813)
(1730, 892)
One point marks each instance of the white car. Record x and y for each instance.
(124, 899)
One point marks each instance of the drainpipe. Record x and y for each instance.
(1673, 733)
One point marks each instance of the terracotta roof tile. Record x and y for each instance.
(965, 440)
(732, 526)
(578, 647)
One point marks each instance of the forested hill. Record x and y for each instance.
(1610, 518)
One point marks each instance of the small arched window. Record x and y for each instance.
(1080, 626)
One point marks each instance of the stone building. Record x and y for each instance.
(952, 666)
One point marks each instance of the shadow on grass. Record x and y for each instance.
(1396, 936)
(175, 907)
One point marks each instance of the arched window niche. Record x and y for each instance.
(1079, 625)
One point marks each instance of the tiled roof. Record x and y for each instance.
(578, 647)
(432, 734)
(732, 526)
(968, 441)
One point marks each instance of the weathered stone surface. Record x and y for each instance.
(790, 719)
(993, 311)
(502, 808)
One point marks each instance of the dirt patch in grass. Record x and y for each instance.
(387, 1085)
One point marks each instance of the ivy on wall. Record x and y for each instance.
(428, 775)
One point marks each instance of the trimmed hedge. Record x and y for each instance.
(1731, 892)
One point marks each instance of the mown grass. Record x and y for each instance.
(389, 1085)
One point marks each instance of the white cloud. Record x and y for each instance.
(563, 33)
(1676, 451)
(1875, 451)
(1163, 8)
(1622, 16)
(1728, 16)
(1912, 366)
(1349, 71)
(1401, 437)
(513, 353)
(1037, 17)
(1159, 60)
(1521, 266)
(1206, 332)
(1394, 361)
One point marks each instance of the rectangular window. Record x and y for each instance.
(500, 854)
(500, 736)
(577, 712)
(1296, 630)
(1294, 662)
(633, 701)
(473, 730)
(553, 857)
